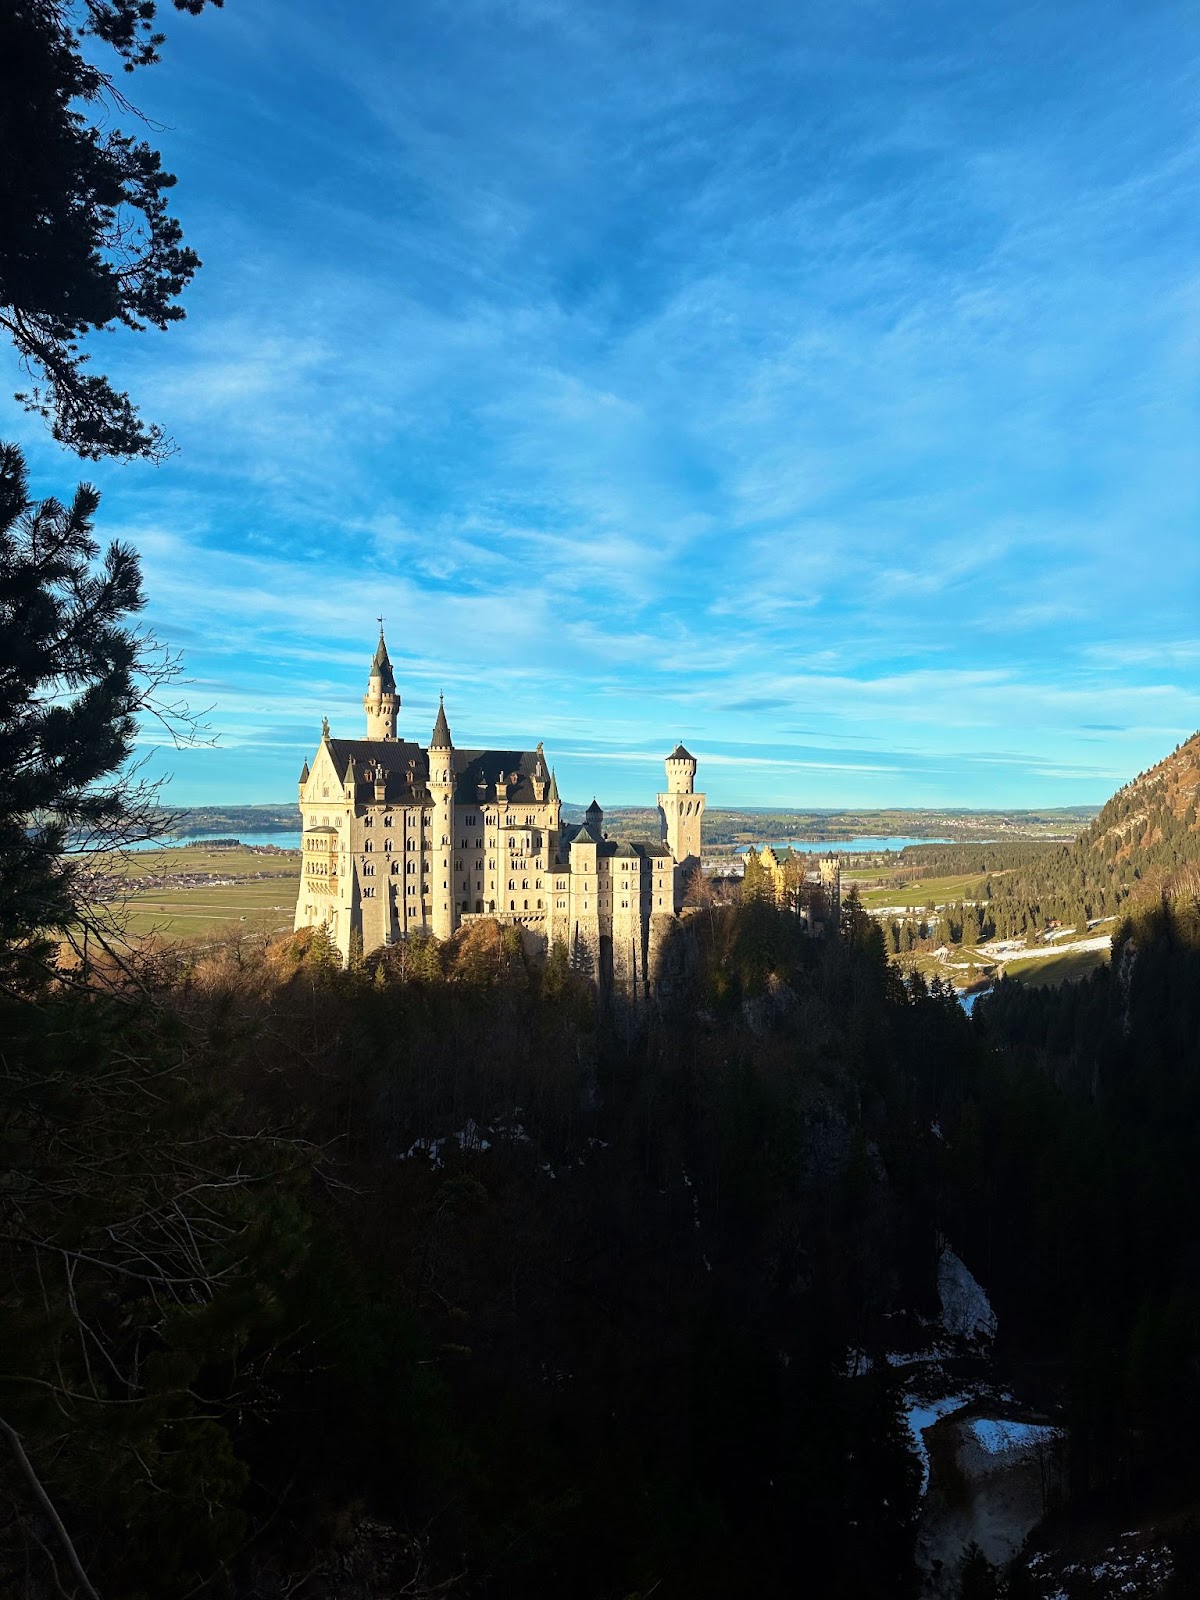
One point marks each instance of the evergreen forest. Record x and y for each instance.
(423, 1278)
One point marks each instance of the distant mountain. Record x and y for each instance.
(193, 822)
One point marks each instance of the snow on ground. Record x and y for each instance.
(1131, 1567)
(998, 1436)
(473, 1137)
(1101, 941)
(966, 1309)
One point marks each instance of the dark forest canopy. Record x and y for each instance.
(420, 1272)
(87, 241)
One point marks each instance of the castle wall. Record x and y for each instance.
(377, 867)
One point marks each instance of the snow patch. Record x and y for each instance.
(1000, 1437)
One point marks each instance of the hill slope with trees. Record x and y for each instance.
(1148, 830)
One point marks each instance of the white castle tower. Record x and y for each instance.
(681, 811)
(441, 833)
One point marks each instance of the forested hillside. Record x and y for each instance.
(1148, 830)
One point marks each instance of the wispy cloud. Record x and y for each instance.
(787, 381)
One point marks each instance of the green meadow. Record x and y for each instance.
(167, 896)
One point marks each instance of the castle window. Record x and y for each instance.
(368, 821)
(387, 822)
(387, 845)
(512, 905)
(469, 822)
(369, 844)
(368, 892)
(466, 905)
(479, 905)
(527, 905)
(395, 868)
(539, 905)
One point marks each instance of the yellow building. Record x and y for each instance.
(799, 884)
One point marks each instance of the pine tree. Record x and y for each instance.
(74, 676)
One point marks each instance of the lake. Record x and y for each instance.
(287, 839)
(863, 845)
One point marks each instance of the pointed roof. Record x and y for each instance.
(304, 773)
(441, 729)
(381, 666)
(553, 796)
(680, 754)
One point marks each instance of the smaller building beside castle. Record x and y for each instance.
(401, 838)
(812, 887)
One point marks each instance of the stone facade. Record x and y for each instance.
(811, 888)
(400, 839)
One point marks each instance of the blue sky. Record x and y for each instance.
(814, 384)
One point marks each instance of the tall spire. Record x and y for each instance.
(381, 667)
(441, 729)
(553, 788)
(381, 701)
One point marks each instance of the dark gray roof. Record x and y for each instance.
(381, 667)
(476, 772)
(441, 730)
(581, 833)
(304, 773)
(405, 767)
(680, 754)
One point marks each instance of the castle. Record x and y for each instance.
(402, 839)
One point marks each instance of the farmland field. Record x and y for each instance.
(192, 892)
(921, 892)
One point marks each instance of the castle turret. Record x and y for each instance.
(593, 818)
(441, 791)
(681, 812)
(381, 701)
(830, 870)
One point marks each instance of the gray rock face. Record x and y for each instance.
(966, 1309)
